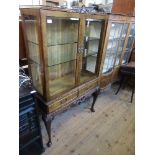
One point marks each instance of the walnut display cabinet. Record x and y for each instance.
(117, 48)
(64, 50)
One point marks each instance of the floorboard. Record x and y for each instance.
(108, 131)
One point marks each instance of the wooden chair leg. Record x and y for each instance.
(95, 95)
(133, 90)
(47, 119)
(121, 81)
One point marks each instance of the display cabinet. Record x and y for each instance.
(71, 55)
(116, 49)
(63, 49)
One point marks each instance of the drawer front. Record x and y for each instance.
(87, 87)
(59, 104)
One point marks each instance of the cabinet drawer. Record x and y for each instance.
(59, 104)
(54, 106)
(87, 87)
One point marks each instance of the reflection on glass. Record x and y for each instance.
(32, 38)
(62, 39)
(61, 53)
(121, 44)
(92, 39)
(33, 51)
(130, 42)
(118, 58)
(132, 30)
(36, 76)
(31, 29)
(61, 31)
(124, 31)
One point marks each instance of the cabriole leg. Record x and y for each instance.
(121, 81)
(47, 119)
(95, 95)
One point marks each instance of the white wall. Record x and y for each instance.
(30, 2)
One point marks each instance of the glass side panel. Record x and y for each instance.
(112, 47)
(91, 48)
(130, 42)
(62, 39)
(33, 51)
(36, 76)
(31, 28)
(32, 38)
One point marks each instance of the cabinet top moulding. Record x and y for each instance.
(34, 10)
(60, 12)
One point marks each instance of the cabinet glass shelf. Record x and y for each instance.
(62, 44)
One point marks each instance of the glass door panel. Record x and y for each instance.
(91, 48)
(33, 51)
(130, 42)
(62, 42)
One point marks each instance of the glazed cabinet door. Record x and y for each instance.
(93, 29)
(31, 28)
(60, 35)
(114, 45)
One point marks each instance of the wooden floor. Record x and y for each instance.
(108, 131)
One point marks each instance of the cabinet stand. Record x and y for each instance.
(48, 118)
